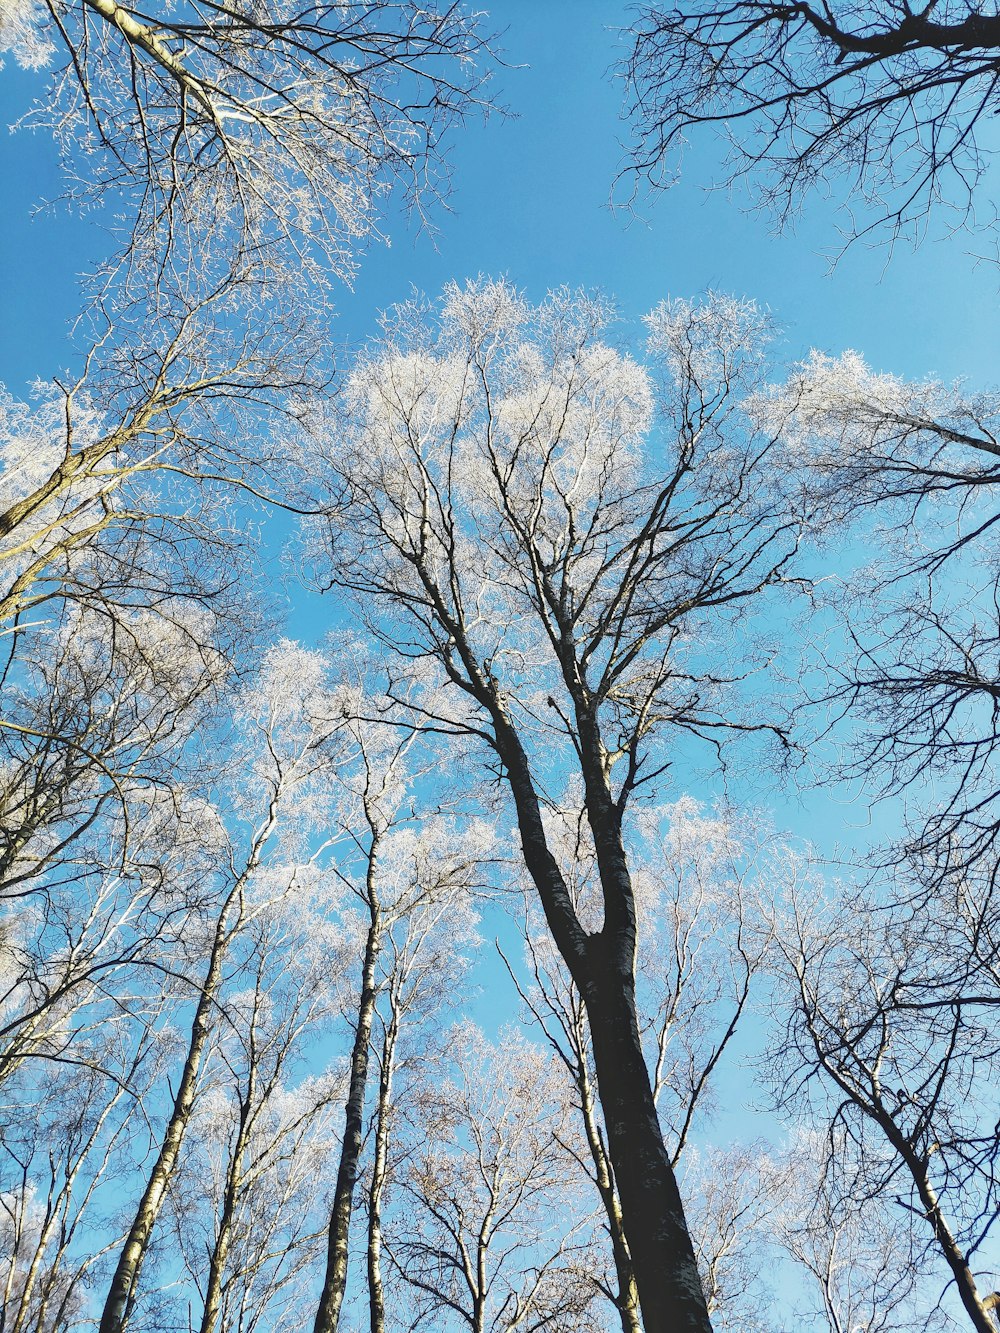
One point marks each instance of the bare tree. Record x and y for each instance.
(246, 137)
(917, 661)
(556, 589)
(486, 1238)
(865, 1270)
(368, 822)
(292, 722)
(899, 1059)
(57, 1160)
(248, 1202)
(891, 99)
(700, 945)
(422, 969)
(738, 1196)
(400, 871)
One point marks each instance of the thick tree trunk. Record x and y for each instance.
(666, 1271)
(627, 1300)
(335, 1279)
(602, 966)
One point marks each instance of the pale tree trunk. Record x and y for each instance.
(224, 1234)
(376, 1296)
(121, 1294)
(965, 1282)
(335, 1278)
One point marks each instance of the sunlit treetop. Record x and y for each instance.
(267, 131)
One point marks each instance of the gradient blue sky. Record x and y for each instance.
(530, 201)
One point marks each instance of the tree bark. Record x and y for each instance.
(663, 1259)
(121, 1294)
(627, 1300)
(335, 1278)
(603, 967)
(376, 1298)
(965, 1282)
(224, 1234)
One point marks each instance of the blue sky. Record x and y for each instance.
(530, 200)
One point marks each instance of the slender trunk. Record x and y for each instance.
(965, 1282)
(223, 1239)
(335, 1278)
(57, 1222)
(121, 1293)
(663, 1259)
(376, 1298)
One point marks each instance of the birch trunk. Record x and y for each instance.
(121, 1294)
(335, 1278)
(376, 1297)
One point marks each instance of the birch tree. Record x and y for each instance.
(406, 864)
(423, 979)
(57, 1162)
(556, 587)
(486, 1238)
(863, 1269)
(293, 722)
(247, 1205)
(260, 138)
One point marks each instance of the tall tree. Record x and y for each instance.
(914, 465)
(701, 943)
(423, 968)
(899, 1055)
(247, 1204)
(293, 720)
(555, 586)
(892, 100)
(405, 869)
(489, 1238)
(248, 138)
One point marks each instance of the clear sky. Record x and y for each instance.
(530, 200)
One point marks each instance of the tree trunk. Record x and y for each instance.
(223, 1239)
(121, 1294)
(627, 1300)
(602, 966)
(376, 1299)
(965, 1282)
(335, 1279)
(666, 1271)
